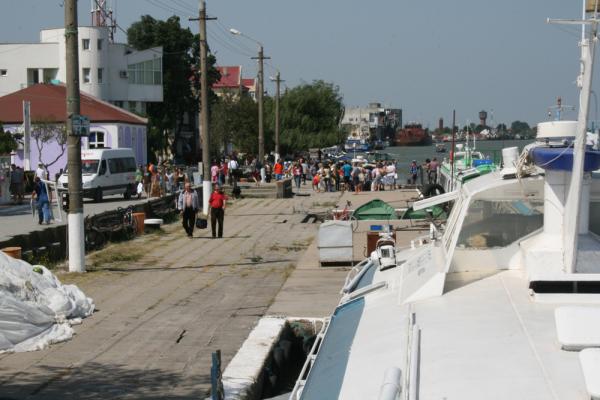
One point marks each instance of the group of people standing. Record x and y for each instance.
(428, 171)
(158, 181)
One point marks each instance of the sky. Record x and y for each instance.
(426, 57)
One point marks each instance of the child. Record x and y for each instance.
(315, 184)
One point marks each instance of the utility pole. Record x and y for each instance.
(204, 137)
(260, 92)
(75, 218)
(278, 81)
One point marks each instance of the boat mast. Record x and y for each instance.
(584, 81)
(452, 149)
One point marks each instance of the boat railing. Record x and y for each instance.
(310, 359)
(355, 274)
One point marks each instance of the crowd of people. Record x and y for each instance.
(159, 180)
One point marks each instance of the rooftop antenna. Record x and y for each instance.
(558, 109)
(102, 16)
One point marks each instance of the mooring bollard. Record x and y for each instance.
(216, 381)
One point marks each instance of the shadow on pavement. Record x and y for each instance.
(102, 381)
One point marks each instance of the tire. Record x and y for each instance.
(432, 189)
(94, 240)
(98, 195)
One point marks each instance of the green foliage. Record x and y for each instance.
(7, 142)
(310, 117)
(234, 120)
(180, 76)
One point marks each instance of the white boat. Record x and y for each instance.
(502, 302)
(468, 164)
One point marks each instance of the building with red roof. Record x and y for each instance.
(231, 82)
(110, 126)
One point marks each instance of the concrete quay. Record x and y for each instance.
(165, 302)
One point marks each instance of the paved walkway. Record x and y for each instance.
(18, 220)
(174, 300)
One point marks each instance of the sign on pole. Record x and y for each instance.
(81, 125)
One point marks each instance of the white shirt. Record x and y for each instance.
(233, 164)
(40, 173)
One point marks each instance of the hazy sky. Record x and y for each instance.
(426, 57)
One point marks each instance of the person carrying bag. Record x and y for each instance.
(188, 205)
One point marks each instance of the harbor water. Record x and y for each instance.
(404, 155)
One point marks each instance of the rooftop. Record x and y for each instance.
(48, 103)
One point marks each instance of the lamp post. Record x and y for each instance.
(260, 91)
(277, 81)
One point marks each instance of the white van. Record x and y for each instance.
(105, 171)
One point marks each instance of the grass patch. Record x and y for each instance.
(112, 255)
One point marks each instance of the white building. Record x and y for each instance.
(112, 72)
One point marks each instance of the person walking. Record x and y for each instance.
(304, 166)
(297, 173)
(433, 171)
(43, 200)
(278, 170)
(188, 205)
(217, 203)
(16, 184)
(413, 171)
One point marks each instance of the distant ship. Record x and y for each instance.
(412, 134)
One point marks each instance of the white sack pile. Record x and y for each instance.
(36, 310)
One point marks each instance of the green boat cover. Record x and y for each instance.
(437, 212)
(375, 210)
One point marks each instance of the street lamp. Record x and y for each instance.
(277, 79)
(260, 91)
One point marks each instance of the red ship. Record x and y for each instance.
(412, 134)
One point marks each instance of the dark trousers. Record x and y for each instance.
(216, 215)
(189, 220)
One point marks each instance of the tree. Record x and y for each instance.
(8, 143)
(44, 132)
(234, 119)
(310, 117)
(180, 76)
(520, 128)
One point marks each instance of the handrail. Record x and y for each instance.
(349, 287)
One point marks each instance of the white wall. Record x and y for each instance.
(50, 53)
(17, 58)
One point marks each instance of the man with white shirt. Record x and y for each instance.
(233, 166)
(40, 172)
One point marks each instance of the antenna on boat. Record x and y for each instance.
(584, 81)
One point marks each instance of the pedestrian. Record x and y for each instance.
(268, 172)
(356, 181)
(40, 192)
(278, 170)
(413, 171)
(304, 166)
(40, 171)
(297, 173)
(347, 171)
(316, 181)
(433, 171)
(214, 173)
(217, 203)
(188, 205)
(16, 184)
(233, 170)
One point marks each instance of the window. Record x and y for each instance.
(100, 75)
(99, 44)
(146, 73)
(499, 223)
(85, 44)
(96, 140)
(86, 75)
(121, 165)
(3, 72)
(89, 166)
(595, 217)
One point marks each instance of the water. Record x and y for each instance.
(490, 148)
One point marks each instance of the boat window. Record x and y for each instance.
(595, 217)
(385, 253)
(498, 223)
